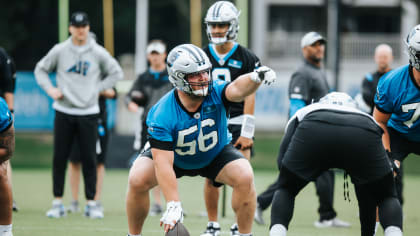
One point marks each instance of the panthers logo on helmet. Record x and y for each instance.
(188, 59)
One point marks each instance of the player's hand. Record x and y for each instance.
(395, 164)
(243, 143)
(55, 93)
(172, 215)
(264, 74)
(133, 107)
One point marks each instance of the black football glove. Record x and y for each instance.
(395, 165)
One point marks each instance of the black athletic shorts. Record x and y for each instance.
(228, 154)
(400, 146)
(317, 146)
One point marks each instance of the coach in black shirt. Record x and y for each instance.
(307, 85)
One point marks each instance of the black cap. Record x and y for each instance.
(79, 18)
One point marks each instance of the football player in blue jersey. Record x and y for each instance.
(229, 60)
(7, 147)
(188, 136)
(397, 107)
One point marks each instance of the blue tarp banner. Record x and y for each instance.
(33, 107)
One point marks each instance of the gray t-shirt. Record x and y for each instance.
(308, 83)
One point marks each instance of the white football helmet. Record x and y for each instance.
(223, 12)
(413, 47)
(188, 59)
(338, 98)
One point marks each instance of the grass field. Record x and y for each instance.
(33, 192)
(32, 189)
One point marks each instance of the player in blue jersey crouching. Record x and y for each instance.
(397, 107)
(188, 136)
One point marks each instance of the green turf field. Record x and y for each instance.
(32, 190)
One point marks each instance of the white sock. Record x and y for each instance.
(278, 230)
(5, 228)
(245, 234)
(393, 231)
(57, 202)
(91, 203)
(133, 234)
(376, 227)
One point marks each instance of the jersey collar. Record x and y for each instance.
(182, 106)
(218, 57)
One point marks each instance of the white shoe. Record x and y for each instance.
(278, 230)
(258, 216)
(335, 222)
(74, 207)
(93, 211)
(8, 233)
(57, 210)
(213, 229)
(234, 230)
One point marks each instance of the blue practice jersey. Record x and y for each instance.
(6, 118)
(197, 138)
(397, 93)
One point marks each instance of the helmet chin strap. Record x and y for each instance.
(201, 92)
(219, 41)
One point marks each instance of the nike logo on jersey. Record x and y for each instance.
(209, 109)
(81, 67)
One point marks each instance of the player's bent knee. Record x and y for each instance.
(140, 182)
(244, 180)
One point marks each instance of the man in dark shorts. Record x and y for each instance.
(335, 134)
(188, 135)
(229, 60)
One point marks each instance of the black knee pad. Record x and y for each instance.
(390, 213)
(383, 188)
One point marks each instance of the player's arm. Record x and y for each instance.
(111, 69)
(7, 143)
(8, 96)
(247, 84)
(46, 65)
(382, 119)
(245, 141)
(165, 175)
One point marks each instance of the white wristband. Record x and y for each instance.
(248, 126)
(254, 77)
